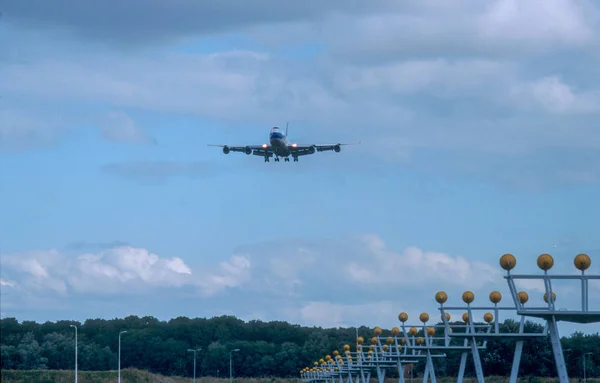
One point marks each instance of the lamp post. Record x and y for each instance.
(75, 327)
(230, 365)
(194, 351)
(122, 332)
(583, 357)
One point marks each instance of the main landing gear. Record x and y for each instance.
(285, 159)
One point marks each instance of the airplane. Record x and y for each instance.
(280, 146)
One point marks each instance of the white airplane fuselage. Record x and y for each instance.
(279, 143)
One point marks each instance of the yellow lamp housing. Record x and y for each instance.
(553, 297)
(468, 297)
(465, 317)
(582, 261)
(523, 297)
(545, 262)
(508, 262)
(495, 297)
(488, 317)
(403, 317)
(441, 297)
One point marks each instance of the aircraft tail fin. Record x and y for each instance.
(286, 129)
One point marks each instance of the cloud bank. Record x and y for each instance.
(337, 282)
(494, 90)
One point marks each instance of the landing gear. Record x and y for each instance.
(266, 159)
(286, 159)
(295, 159)
(276, 159)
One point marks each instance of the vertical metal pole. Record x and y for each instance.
(194, 366)
(230, 365)
(119, 368)
(584, 372)
(75, 327)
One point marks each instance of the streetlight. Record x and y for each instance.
(583, 357)
(122, 332)
(230, 368)
(75, 327)
(194, 351)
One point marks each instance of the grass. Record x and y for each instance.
(130, 375)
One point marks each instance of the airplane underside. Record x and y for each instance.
(277, 156)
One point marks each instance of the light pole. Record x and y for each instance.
(122, 332)
(230, 368)
(194, 351)
(75, 327)
(584, 376)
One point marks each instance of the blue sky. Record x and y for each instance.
(479, 130)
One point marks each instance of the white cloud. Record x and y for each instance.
(555, 96)
(413, 267)
(116, 271)
(234, 273)
(121, 127)
(344, 281)
(564, 22)
(5, 283)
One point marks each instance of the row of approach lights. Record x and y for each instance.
(545, 262)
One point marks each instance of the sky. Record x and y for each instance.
(478, 124)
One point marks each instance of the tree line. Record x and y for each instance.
(273, 349)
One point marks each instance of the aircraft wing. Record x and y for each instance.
(259, 150)
(302, 150)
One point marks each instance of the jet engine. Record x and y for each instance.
(337, 148)
(226, 149)
(248, 150)
(312, 149)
